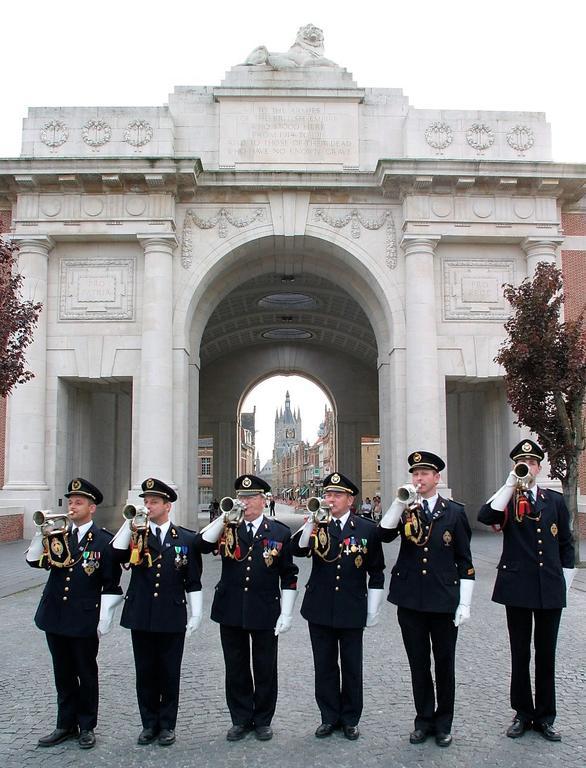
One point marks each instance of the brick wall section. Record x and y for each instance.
(574, 224)
(11, 528)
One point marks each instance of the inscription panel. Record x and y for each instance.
(96, 289)
(288, 133)
(473, 289)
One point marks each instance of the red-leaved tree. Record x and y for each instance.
(18, 318)
(545, 375)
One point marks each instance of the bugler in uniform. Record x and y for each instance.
(431, 583)
(346, 553)
(165, 576)
(534, 574)
(76, 608)
(253, 604)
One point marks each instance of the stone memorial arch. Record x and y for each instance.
(286, 220)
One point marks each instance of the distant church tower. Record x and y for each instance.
(287, 429)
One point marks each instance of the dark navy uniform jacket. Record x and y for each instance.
(427, 578)
(70, 604)
(248, 594)
(530, 571)
(155, 599)
(336, 593)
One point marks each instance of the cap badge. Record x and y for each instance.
(247, 482)
(335, 478)
(527, 447)
(416, 457)
(150, 483)
(75, 485)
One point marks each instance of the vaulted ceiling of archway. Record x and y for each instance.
(329, 317)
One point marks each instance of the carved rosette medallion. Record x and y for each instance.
(54, 133)
(96, 133)
(220, 220)
(439, 136)
(357, 220)
(480, 137)
(521, 138)
(138, 133)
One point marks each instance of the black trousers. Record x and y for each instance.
(425, 633)
(75, 668)
(520, 625)
(338, 703)
(251, 695)
(157, 660)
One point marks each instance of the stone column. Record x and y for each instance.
(155, 428)
(25, 466)
(422, 371)
(538, 249)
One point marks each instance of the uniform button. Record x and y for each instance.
(248, 578)
(337, 589)
(539, 541)
(338, 578)
(455, 581)
(427, 527)
(425, 559)
(250, 558)
(540, 552)
(156, 586)
(66, 589)
(156, 594)
(68, 578)
(338, 566)
(424, 573)
(246, 589)
(540, 565)
(97, 606)
(539, 530)
(65, 598)
(158, 565)
(504, 566)
(71, 570)
(247, 567)
(426, 549)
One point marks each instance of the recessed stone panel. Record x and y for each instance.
(96, 289)
(473, 289)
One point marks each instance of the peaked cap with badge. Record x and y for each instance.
(250, 485)
(153, 487)
(336, 481)
(527, 449)
(425, 460)
(80, 487)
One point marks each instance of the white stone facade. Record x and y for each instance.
(149, 234)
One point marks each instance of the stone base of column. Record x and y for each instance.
(28, 501)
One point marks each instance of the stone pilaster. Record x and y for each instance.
(155, 428)
(422, 370)
(25, 466)
(540, 249)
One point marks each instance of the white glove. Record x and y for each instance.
(393, 515)
(375, 600)
(288, 598)
(463, 610)
(569, 574)
(502, 497)
(122, 536)
(35, 550)
(212, 531)
(195, 600)
(108, 605)
(306, 531)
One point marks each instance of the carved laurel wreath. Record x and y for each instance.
(96, 133)
(220, 220)
(480, 136)
(54, 133)
(521, 138)
(356, 220)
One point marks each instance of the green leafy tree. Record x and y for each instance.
(545, 375)
(18, 319)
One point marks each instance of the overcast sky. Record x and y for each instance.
(498, 55)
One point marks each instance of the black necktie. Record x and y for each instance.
(426, 510)
(250, 530)
(338, 526)
(74, 540)
(158, 534)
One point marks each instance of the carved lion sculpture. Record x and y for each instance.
(307, 51)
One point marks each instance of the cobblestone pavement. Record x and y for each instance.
(27, 695)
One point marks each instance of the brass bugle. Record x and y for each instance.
(320, 511)
(49, 522)
(407, 494)
(138, 516)
(233, 510)
(522, 472)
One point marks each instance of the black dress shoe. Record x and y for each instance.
(517, 728)
(263, 732)
(147, 735)
(237, 732)
(418, 736)
(547, 731)
(443, 739)
(87, 740)
(57, 736)
(166, 737)
(325, 729)
(351, 732)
